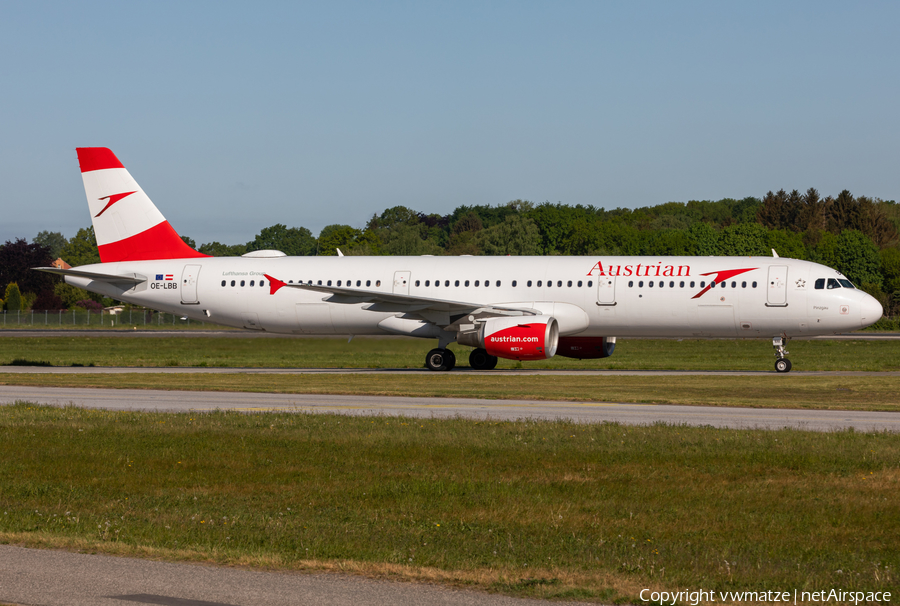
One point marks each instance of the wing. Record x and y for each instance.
(90, 275)
(441, 312)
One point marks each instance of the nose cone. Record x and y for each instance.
(870, 310)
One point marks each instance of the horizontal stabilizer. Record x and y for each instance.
(90, 275)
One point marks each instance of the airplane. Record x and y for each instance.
(519, 308)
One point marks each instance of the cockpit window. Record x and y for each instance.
(832, 283)
(846, 283)
(820, 284)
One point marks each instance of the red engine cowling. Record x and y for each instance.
(516, 338)
(586, 348)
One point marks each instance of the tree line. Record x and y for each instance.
(857, 235)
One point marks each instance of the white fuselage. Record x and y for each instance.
(590, 296)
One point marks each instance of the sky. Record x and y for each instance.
(234, 116)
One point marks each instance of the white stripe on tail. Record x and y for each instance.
(127, 224)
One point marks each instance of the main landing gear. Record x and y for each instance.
(782, 364)
(444, 359)
(440, 359)
(479, 359)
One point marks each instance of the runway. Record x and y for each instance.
(58, 578)
(584, 372)
(581, 412)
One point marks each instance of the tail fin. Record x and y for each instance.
(127, 224)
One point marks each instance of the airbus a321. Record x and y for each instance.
(520, 308)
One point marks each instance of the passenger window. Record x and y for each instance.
(641, 284)
(529, 284)
(846, 283)
(590, 283)
(569, 284)
(631, 284)
(498, 284)
(368, 282)
(539, 284)
(358, 283)
(242, 282)
(579, 283)
(339, 283)
(417, 282)
(754, 285)
(319, 283)
(559, 283)
(832, 283)
(681, 284)
(378, 283)
(427, 282)
(447, 283)
(223, 282)
(467, 282)
(734, 285)
(456, 283)
(232, 282)
(476, 282)
(513, 283)
(702, 284)
(487, 282)
(329, 283)
(650, 283)
(692, 284)
(252, 282)
(262, 282)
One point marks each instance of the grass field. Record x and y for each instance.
(635, 354)
(543, 509)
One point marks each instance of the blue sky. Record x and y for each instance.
(237, 116)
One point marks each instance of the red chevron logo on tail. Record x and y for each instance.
(112, 200)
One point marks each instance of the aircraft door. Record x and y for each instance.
(401, 282)
(776, 291)
(606, 290)
(189, 285)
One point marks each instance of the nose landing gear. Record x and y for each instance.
(782, 364)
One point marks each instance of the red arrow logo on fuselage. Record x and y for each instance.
(112, 200)
(721, 276)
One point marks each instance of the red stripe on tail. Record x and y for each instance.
(96, 158)
(158, 242)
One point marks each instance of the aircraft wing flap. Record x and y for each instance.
(90, 275)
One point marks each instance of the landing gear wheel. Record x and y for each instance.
(437, 359)
(782, 365)
(479, 359)
(449, 359)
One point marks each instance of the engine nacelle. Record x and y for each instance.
(515, 338)
(586, 348)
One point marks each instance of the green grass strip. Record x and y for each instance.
(631, 354)
(546, 509)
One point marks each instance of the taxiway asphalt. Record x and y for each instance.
(58, 578)
(473, 408)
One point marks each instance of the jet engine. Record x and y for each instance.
(515, 338)
(586, 348)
